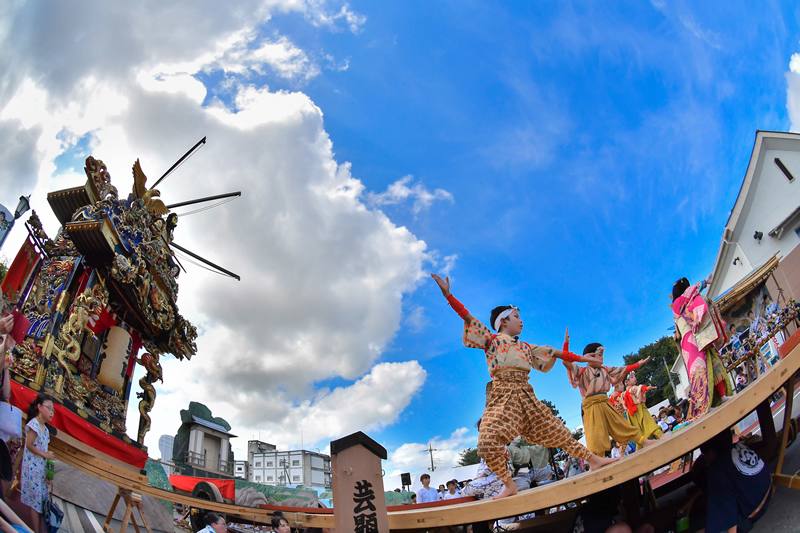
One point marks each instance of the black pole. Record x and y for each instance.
(206, 261)
(206, 199)
(179, 161)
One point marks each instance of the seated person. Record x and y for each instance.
(736, 483)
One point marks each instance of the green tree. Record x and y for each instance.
(469, 457)
(654, 372)
(3, 267)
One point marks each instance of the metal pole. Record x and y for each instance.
(206, 199)
(669, 377)
(206, 261)
(179, 161)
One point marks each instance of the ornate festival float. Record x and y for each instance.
(100, 298)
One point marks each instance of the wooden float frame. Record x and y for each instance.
(753, 398)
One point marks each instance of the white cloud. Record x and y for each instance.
(412, 456)
(319, 15)
(400, 191)
(793, 92)
(323, 274)
(709, 37)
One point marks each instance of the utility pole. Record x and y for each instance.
(669, 377)
(430, 449)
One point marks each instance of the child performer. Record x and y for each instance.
(616, 398)
(600, 420)
(512, 408)
(638, 415)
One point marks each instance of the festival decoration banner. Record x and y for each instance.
(6, 221)
(20, 271)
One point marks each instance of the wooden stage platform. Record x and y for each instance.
(627, 470)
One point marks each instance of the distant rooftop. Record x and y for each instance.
(211, 425)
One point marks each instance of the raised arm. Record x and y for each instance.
(618, 373)
(458, 307)
(568, 357)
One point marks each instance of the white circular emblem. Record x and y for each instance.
(746, 460)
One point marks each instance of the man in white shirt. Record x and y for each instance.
(426, 494)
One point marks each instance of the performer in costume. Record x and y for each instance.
(700, 331)
(600, 420)
(638, 415)
(512, 408)
(616, 398)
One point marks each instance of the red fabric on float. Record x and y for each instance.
(75, 426)
(227, 487)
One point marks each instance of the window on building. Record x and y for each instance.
(258, 464)
(784, 169)
(296, 462)
(295, 478)
(269, 478)
(258, 478)
(269, 463)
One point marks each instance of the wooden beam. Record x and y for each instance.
(787, 422)
(793, 482)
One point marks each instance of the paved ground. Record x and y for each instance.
(783, 515)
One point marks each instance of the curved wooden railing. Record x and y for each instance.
(79, 456)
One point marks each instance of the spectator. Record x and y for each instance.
(279, 525)
(214, 524)
(33, 484)
(741, 380)
(441, 491)
(770, 307)
(735, 481)
(451, 491)
(426, 494)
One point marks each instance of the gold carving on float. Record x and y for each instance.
(150, 361)
(26, 359)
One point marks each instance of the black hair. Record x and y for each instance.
(680, 287)
(718, 443)
(211, 519)
(276, 521)
(40, 399)
(591, 348)
(452, 482)
(495, 313)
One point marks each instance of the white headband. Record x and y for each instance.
(503, 315)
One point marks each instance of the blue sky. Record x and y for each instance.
(572, 159)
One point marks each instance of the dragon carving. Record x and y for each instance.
(91, 301)
(150, 361)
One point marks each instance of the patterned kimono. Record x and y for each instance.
(701, 327)
(638, 415)
(32, 484)
(617, 402)
(600, 420)
(512, 408)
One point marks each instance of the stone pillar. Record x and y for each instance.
(358, 497)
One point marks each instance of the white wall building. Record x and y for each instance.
(270, 466)
(765, 220)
